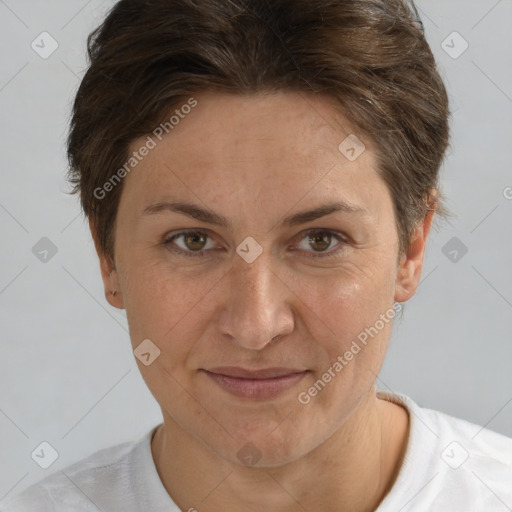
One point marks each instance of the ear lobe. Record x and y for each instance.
(108, 270)
(411, 265)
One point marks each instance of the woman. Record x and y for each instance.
(260, 181)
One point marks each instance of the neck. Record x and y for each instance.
(352, 470)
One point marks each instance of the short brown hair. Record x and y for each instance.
(370, 55)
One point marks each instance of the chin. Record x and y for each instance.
(262, 448)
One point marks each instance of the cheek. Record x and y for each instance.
(350, 314)
(351, 296)
(162, 302)
(359, 316)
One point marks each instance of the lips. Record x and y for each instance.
(265, 373)
(263, 384)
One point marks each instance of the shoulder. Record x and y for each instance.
(451, 464)
(87, 485)
(462, 441)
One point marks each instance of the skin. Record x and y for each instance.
(255, 159)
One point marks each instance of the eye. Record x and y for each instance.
(320, 240)
(195, 243)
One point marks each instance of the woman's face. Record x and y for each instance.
(213, 300)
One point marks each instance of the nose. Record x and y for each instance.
(258, 308)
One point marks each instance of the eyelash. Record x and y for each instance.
(199, 254)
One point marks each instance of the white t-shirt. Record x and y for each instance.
(450, 465)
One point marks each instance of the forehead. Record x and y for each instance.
(279, 124)
(278, 142)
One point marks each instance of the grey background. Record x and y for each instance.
(67, 373)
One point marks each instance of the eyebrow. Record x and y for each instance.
(210, 217)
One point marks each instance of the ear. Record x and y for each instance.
(411, 264)
(109, 274)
